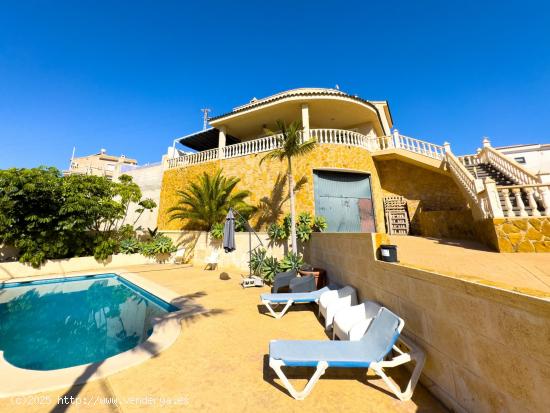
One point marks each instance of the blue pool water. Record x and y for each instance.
(58, 323)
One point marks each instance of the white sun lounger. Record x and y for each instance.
(333, 301)
(373, 351)
(288, 299)
(351, 323)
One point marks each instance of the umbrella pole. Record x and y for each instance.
(250, 231)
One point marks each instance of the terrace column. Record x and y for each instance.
(221, 141)
(305, 121)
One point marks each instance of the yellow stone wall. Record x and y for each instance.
(266, 181)
(523, 234)
(486, 347)
(425, 190)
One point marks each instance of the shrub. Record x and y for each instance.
(161, 244)
(217, 231)
(105, 248)
(303, 231)
(319, 224)
(305, 225)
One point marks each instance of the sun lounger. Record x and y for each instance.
(351, 323)
(334, 301)
(289, 299)
(373, 351)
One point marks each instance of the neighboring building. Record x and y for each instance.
(99, 164)
(534, 157)
(149, 178)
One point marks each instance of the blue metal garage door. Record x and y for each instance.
(345, 200)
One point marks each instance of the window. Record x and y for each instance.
(520, 159)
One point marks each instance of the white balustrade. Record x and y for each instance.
(538, 198)
(469, 160)
(322, 136)
(508, 166)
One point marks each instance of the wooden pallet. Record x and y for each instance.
(397, 219)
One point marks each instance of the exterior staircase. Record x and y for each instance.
(487, 170)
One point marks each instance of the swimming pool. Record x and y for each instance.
(65, 322)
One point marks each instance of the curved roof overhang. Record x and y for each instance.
(327, 109)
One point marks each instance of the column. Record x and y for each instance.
(305, 121)
(221, 141)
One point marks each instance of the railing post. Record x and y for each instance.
(493, 199)
(532, 202)
(396, 138)
(486, 142)
(447, 147)
(519, 202)
(508, 203)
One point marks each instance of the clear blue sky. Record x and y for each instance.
(131, 76)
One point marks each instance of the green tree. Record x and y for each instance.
(291, 146)
(48, 216)
(207, 201)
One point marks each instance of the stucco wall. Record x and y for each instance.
(425, 190)
(266, 182)
(199, 245)
(487, 348)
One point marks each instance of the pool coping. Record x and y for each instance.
(166, 329)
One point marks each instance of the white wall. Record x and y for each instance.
(537, 158)
(149, 179)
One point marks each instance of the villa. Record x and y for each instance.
(364, 177)
(454, 325)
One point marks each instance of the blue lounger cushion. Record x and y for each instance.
(375, 344)
(310, 297)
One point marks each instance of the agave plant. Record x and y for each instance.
(305, 218)
(277, 232)
(270, 269)
(129, 246)
(217, 230)
(303, 231)
(319, 224)
(291, 261)
(257, 257)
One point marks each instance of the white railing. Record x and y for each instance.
(537, 195)
(507, 166)
(472, 186)
(322, 136)
(264, 144)
(342, 137)
(469, 160)
(407, 143)
(194, 158)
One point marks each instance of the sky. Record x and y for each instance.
(130, 76)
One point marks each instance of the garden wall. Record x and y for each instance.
(9, 270)
(199, 245)
(487, 348)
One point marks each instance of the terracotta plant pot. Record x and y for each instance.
(320, 276)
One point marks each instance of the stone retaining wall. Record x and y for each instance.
(487, 348)
(523, 234)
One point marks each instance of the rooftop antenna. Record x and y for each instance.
(205, 113)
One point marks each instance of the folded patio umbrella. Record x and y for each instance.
(229, 232)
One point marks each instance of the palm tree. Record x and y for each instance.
(207, 201)
(291, 146)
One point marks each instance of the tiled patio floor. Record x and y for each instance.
(219, 363)
(524, 272)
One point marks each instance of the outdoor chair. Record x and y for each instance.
(282, 280)
(212, 260)
(333, 301)
(179, 256)
(376, 350)
(351, 323)
(288, 299)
